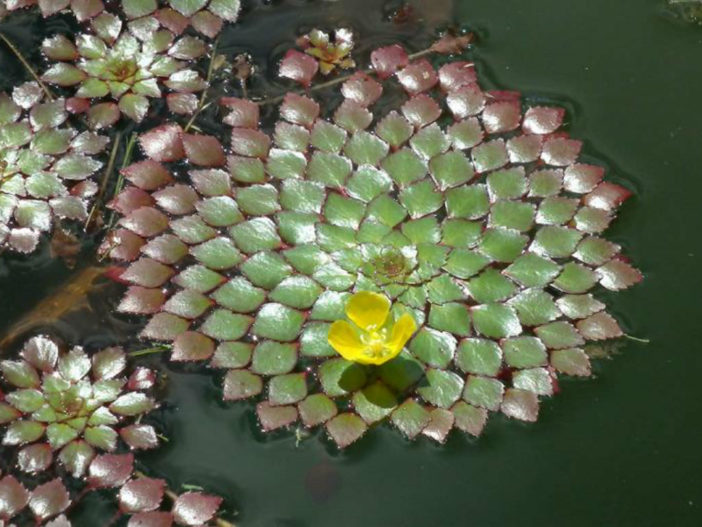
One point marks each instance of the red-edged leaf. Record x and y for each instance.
(616, 275)
(49, 499)
(195, 508)
(41, 352)
(147, 175)
(110, 470)
(346, 428)
(387, 60)
(163, 143)
(34, 458)
(299, 109)
(560, 151)
(203, 150)
(122, 244)
(172, 20)
(145, 221)
(465, 101)
(164, 326)
(456, 74)
(147, 272)
(580, 178)
(502, 117)
(151, 519)
(141, 379)
(167, 249)
(141, 495)
(207, 23)
(607, 196)
(520, 404)
(182, 103)
(418, 77)
(139, 436)
(362, 89)
(298, 67)
(440, 425)
(243, 113)
(241, 384)
(274, 417)
(600, 326)
(141, 301)
(130, 199)
(543, 119)
(251, 143)
(177, 199)
(13, 497)
(421, 110)
(192, 346)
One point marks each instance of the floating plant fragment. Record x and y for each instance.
(45, 166)
(127, 65)
(456, 214)
(330, 54)
(67, 405)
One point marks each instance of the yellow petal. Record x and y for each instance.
(368, 310)
(344, 339)
(401, 332)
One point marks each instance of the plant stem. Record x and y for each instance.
(637, 339)
(126, 159)
(26, 64)
(105, 179)
(333, 82)
(201, 105)
(149, 351)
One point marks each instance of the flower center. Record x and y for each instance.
(122, 69)
(374, 341)
(391, 264)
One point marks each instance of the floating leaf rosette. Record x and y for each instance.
(127, 65)
(205, 16)
(467, 209)
(72, 405)
(45, 166)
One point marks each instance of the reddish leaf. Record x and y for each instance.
(49, 499)
(41, 352)
(141, 301)
(164, 326)
(386, 61)
(456, 74)
(167, 249)
(607, 196)
(23, 240)
(440, 425)
(110, 470)
(616, 275)
(122, 244)
(192, 346)
(560, 151)
(466, 101)
(130, 199)
(502, 117)
(520, 404)
(524, 148)
(172, 20)
(145, 221)
(581, 178)
(274, 417)
(147, 272)
(13, 497)
(141, 379)
(298, 67)
(362, 89)
(418, 77)
(163, 143)
(35, 458)
(346, 428)
(421, 110)
(195, 508)
(600, 326)
(147, 175)
(182, 103)
(243, 112)
(251, 143)
(543, 119)
(203, 150)
(177, 199)
(141, 495)
(151, 519)
(139, 436)
(299, 109)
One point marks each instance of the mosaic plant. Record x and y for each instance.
(46, 166)
(126, 65)
(466, 210)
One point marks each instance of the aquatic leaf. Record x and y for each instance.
(110, 470)
(345, 429)
(49, 499)
(298, 67)
(141, 495)
(195, 508)
(520, 404)
(274, 417)
(13, 496)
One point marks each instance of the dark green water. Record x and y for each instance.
(622, 449)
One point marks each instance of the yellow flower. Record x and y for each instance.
(372, 338)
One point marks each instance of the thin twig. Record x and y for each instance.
(149, 351)
(126, 159)
(105, 179)
(637, 339)
(201, 105)
(333, 82)
(26, 64)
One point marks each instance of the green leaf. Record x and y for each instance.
(222, 324)
(536, 380)
(266, 269)
(343, 212)
(555, 241)
(401, 372)
(131, 404)
(430, 141)
(479, 356)
(502, 245)
(217, 253)
(345, 429)
(331, 170)
(327, 137)
(374, 403)
(394, 129)
(239, 295)
(367, 183)
(483, 392)
(286, 164)
(19, 374)
(451, 169)
(404, 167)
(421, 198)
(316, 409)
(559, 335)
(26, 400)
(258, 200)
(464, 263)
(524, 352)
(302, 196)
(496, 321)
(287, 389)
(469, 201)
(575, 278)
(314, 340)
(21, 432)
(410, 418)
(531, 270)
(296, 291)
(365, 148)
(278, 322)
(451, 317)
(340, 377)
(440, 387)
(241, 384)
(257, 234)
(512, 215)
(507, 184)
(534, 307)
(435, 348)
(490, 286)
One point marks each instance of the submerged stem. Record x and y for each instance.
(637, 339)
(28, 67)
(105, 179)
(201, 105)
(149, 351)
